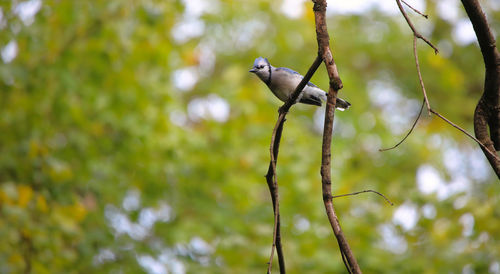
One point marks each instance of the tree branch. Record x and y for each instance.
(335, 85)
(416, 35)
(415, 32)
(364, 191)
(271, 178)
(490, 153)
(415, 10)
(487, 113)
(409, 132)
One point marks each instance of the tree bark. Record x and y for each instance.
(335, 85)
(487, 113)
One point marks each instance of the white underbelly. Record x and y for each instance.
(283, 91)
(281, 94)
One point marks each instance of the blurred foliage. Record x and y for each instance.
(133, 139)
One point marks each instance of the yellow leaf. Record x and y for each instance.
(79, 211)
(33, 149)
(3, 198)
(24, 195)
(37, 149)
(41, 204)
(309, 14)
(15, 258)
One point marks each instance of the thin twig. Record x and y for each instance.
(415, 10)
(364, 191)
(466, 133)
(415, 32)
(421, 81)
(344, 259)
(409, 132)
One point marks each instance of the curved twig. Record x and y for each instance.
(364, 191)
(415, 10)
(409, 132)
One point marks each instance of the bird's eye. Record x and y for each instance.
(261, 66)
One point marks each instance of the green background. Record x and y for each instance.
(133, 139)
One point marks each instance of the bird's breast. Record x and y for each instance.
(283, 86)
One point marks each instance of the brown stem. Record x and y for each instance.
(415, 10)
(335, 84)
(484, 147)
(271, 178)
(415, 32)
(273, 189)
(364, 191)
(409, 132)
(421, 81)
(487, 113)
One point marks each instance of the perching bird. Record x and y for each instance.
(283, 81)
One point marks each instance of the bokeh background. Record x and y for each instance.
(133, 139)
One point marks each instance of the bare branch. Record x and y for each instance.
(335, 85)
(273, 188)
(271, 177)
(487, 113)
(466, 133)
(421, 81)
(415, 32)
(409, 132)
(492, 64)
(415, 10)
(364, 191)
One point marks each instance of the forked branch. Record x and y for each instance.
(271, 178)
(487, 111)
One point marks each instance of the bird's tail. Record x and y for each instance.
(342, 104)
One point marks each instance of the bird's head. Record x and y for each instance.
(261, 67)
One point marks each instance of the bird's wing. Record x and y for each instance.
(311, 100)
(298, 74)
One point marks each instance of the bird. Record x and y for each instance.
(283, 81)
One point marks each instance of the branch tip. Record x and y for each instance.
(364, 191)
(409, 132)
(415, 10)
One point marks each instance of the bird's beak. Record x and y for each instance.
(253, 70)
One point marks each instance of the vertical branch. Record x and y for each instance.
(335, 85)
(421, 81)
(487, 113)
(272, 181)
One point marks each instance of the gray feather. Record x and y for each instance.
(294, 72)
